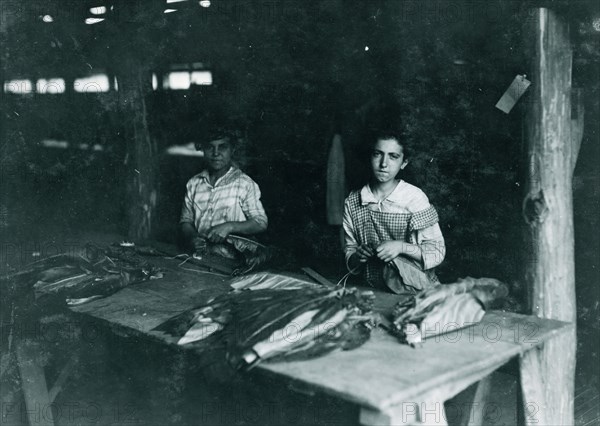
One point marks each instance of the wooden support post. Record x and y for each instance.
(336, 185)
(548, 374)
(134, 84)
(577, 122)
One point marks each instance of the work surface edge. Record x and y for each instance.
(380, 374)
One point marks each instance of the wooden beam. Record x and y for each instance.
(318, 277)
(134, 84)
(548, 377)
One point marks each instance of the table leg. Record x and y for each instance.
(33, 382)
(63, 377)
(532, 387)
(432, 412)
(480, 399)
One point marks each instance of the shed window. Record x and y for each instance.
(202, 78)
(50, 86)
(20, 87)
(177, 80)
(182, 80)
(92, 84)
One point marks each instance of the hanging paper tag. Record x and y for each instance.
(513, 93)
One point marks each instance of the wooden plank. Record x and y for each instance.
(215, 263)
(524, 330)
(33, 383)
(210, 262)
(318, 277)
(144, 306)
(390, 373)
(426, 410)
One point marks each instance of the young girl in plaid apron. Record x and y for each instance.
(391, 231)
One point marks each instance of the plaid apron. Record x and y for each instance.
(374, 227)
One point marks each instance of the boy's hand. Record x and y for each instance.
(199, 245)
(218, 234)
(388, 250)
(364, 252)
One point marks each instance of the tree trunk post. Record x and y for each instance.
(141, 160)
(548, 374)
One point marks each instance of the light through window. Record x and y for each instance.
(182, 80)
(100, 10)
(21, 87)
(202, 78)
(177, 80)
(50, 86)
(92, 84)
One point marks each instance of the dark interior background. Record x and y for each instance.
(291, 74)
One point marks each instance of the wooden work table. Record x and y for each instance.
(390, 382)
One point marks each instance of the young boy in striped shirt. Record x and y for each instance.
(221, 200)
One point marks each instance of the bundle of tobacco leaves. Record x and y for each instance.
(262, 324)
(445, 308)
(98, 272)
(263, 280)
(249, 254)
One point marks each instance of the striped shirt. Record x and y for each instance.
(405, 198)
(235, 197)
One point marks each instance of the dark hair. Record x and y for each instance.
(231, 136)
(237, 140)
(387, 134)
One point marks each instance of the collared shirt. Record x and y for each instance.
(235, 197)
(405, 198)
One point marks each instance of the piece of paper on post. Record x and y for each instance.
(513, 93)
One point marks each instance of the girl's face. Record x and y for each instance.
(387, 159)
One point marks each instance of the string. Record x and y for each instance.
(203, 272)
(344, 279)
(186, 259)
(177, 256)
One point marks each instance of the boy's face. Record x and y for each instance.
(218, 154)
(387, 159)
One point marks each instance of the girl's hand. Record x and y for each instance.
(363, 253)
(388, 250)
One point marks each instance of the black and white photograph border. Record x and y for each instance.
(305, 212)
